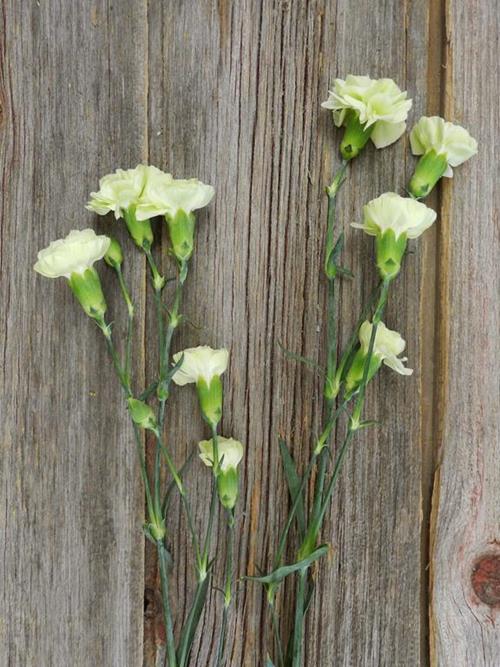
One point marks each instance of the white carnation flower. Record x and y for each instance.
(388, 345)
(444, 138)
(120, 191)
(379, 105)
(165, 195)
(200, 363)
(402, 215)
(230, 452)
(74, 254)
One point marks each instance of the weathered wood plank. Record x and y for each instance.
(73, 95)
(235, 94)
(466, 503)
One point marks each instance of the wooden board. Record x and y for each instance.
(466, 524)
(73, 95)
(230, 92)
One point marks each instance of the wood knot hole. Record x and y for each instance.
(485, 579)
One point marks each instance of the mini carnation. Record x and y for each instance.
(120, 191)
(392, 220)
(74, 254)
(402, 215)
(373, 109)
(230, 452)
(200, 363)
(387, 347)
(442, 146)
(164, 195)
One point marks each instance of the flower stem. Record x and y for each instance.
(227, 587)
(298, 626)
(213, 502)
(130, 309)
(167, 612)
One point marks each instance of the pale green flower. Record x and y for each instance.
(442, 146)
(200, 363)
(203, 366)
(388, 345)
(402, 215)
(378, 106)
(74, 254)
(119, 192)
(164, 195)
(444, 138)
(230, 452)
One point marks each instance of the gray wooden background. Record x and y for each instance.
(230, 92)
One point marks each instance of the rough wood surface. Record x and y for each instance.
(73, 96)
(230, 92)
(466, 537)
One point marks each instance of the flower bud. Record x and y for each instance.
(210, 397)
(181, 232)
(142, 414)
(114, 256)
(87, 289)
(139, 230)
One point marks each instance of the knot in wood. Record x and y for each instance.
(485, 579)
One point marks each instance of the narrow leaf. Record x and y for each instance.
(189, 629)
(294, 482)
(281, 572)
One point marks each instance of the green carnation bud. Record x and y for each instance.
(87, 288)
(142, 414)
(355, 136)
(389, 251)
(227, 487)
(428, 171)
(210, 397)
(181, 232)
(139, 230)
(114, 256)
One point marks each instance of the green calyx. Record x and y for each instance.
(227, 487)
(430, 168)
(389, 252)
(142, 414)
(139, 230)
(114, 256)
(356, 371)
(87, 289)
(355, 136)
(210, 397)
(181, 231)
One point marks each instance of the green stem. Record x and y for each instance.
(167, 612)
(227, 587)
(125, 383)
(130, 309)
(298, 626)
(173, 323)
(213, 500)
(277, 637)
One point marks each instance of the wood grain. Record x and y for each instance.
(230, 92)
(73, 95)
(241, 87)
(466, 535)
